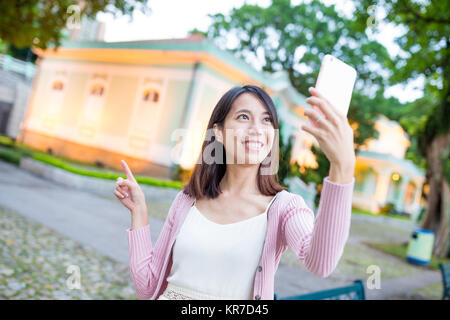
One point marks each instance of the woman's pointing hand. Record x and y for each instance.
(129, 192)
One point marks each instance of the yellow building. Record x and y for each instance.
(382, 174)
(147, 102)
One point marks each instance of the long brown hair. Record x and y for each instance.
(205, 178)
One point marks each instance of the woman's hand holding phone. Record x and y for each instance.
(327, 116)
(132, 197)
(334, 134)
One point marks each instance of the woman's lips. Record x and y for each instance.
(254, 146)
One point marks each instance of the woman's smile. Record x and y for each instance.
(253, 145)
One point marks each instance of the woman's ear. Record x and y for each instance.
(218, 133)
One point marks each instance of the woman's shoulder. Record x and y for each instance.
(288, 200)
(181, 199)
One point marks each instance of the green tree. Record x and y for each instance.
(26, 23)
(426, 48)
(295, 38)
(284, 169)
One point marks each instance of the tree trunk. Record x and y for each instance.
(437, 216)
(443, 242)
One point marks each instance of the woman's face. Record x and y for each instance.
(248, 131)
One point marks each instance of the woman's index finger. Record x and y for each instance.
(127, 170)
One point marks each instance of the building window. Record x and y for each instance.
(57, 86)
(410, 192)
(150, 95)
(395, 185)
(97, 90)
(361, 176)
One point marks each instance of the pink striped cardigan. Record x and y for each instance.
(317, 241)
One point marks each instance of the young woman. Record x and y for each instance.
(226, 230)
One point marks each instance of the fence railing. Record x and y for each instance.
(9, 63)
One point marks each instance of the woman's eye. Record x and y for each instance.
(270, 119)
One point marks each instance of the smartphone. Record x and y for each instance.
(335, 81)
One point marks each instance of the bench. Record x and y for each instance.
(352, 292)
(445, 270)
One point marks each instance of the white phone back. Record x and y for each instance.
(336, 81)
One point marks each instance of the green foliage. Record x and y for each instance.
(24, 54)
(426, 52)
(10, 155)
(284, 169)
(48, 159)
(24, 21)
(295, 38)
(280, 31)
(6, 141)
(180, 174)
(399, 250)
(388, 208)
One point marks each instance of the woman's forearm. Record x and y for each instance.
(341, 174)
(139, 218)
(319, 240)
(331, 227)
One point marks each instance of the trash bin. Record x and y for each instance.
(420, 246)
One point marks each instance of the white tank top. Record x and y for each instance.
(214, 261)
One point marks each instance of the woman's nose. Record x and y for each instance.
(255, 134)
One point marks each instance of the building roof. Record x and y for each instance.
(405, 164)
(196, 43)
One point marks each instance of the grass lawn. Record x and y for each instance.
(434, 291)
(399, 250)
(368, 213)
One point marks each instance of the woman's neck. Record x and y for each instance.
(240, 179)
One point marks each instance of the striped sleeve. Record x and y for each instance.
(319, 241)
(146, 261)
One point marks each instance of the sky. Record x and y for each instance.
(175, 18)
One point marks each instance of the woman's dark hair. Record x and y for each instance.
(205, 178)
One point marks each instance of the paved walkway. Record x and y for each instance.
(101, 223)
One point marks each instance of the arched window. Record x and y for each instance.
(150, 95)
(91, 113)
(54, 101)
(57, 85)
(394, 187)
(361, 175)
(410, 192)
(146, 113)
(97, 90)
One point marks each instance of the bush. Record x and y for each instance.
(388, 208)
(181, 174)
(420, 215)
(51, 160)
(10, 155)
(6, 142)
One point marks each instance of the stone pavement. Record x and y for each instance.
(101, 222)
